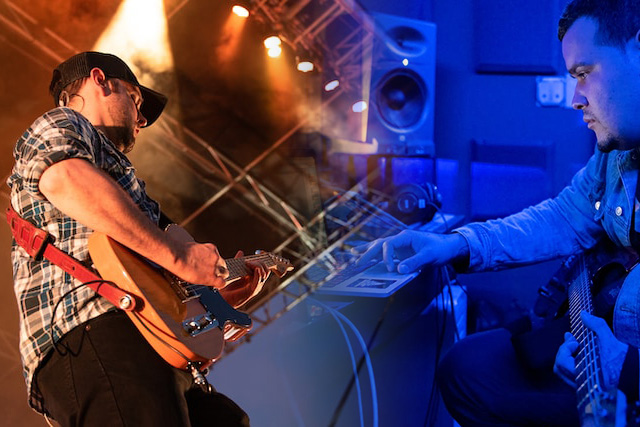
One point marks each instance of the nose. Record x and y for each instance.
(579, 101)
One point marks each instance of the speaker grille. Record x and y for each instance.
(400, 98)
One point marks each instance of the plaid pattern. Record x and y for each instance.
(57, 135)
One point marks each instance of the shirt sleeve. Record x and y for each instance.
(55, 137)
(554, 228)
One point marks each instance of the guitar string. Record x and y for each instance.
(237, 268)
(588, 339)
(576, 327)
(585, 351)
(587, 355)
(592, 339)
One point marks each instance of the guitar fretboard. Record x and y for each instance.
(237, 268)
(588, 366)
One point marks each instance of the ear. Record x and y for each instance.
(97, 76)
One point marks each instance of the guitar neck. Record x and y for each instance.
(591, 393)
(238, 266)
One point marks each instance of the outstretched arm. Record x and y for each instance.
(415, 249)
(85, 193)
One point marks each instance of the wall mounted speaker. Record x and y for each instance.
(402, 88)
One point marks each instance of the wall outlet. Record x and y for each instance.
(550, 91)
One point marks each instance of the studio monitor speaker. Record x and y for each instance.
(402, 86)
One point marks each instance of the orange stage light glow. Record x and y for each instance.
(138, 34)
(230, 37)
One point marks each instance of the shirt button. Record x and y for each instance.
(598, 205)
(618, 211)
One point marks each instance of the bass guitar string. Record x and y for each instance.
(587, 357)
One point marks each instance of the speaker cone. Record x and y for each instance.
(401, 100)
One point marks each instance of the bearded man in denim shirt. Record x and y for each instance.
(601, 48)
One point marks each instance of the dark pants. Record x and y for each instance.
(106, 374)
(490, 379)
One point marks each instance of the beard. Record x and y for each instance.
(607, 145)
(121, 134)
(126, 140)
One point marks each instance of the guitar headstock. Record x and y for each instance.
(280, 265)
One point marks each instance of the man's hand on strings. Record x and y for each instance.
(199, 263)
(565, 364)
(247, 287)
(612, 353)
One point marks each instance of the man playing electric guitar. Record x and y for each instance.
(85, 364)
(483, 379)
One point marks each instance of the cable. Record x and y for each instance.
(353, 366)
(140, 319)
(442, 215)
(444, 280)
(365, 358)
(374, 394)
(453, 308)
(55, 308)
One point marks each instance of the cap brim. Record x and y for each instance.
(152, 105)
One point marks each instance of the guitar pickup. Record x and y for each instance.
(198, 324)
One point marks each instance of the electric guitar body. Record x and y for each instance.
(187, 325)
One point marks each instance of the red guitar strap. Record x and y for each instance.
(37, 243)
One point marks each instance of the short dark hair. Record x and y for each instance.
(618, 20)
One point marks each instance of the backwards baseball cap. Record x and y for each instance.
(80, 66)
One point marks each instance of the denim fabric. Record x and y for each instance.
(599, 200)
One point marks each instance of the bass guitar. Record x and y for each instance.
(595, 283)
(597, 406)
(186, 324)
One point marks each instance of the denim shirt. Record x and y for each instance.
(599, 201)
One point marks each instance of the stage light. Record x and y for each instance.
(304, 62)
(405, 62)
(305, 66)
(240, 11)
(359, 106)
(272, 42)
(232, 32)
(273, 45)
(331, 86)
(274, 52)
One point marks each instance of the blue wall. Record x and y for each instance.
(496, 107)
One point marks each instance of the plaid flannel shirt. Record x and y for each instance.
(57, 135)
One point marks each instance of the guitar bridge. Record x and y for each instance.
(182, 289)
(199, 324)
